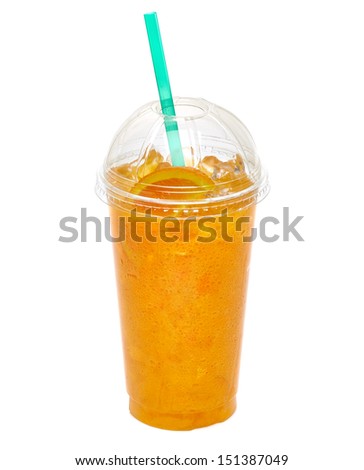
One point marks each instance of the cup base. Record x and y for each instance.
(182, 421)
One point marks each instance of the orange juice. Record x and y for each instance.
(182, 302)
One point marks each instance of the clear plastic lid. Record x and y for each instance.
(214, 142)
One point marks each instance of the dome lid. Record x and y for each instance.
(213, 140)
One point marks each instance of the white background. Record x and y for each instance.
(71, 73)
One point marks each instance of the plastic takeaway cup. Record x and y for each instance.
(182, 251)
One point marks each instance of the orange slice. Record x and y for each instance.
(166, 183)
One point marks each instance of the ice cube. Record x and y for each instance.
(149, 163)
(163, 165)
(222, 171)
(208, 165)
(127, 171)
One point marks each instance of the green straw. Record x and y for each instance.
(164, 87)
